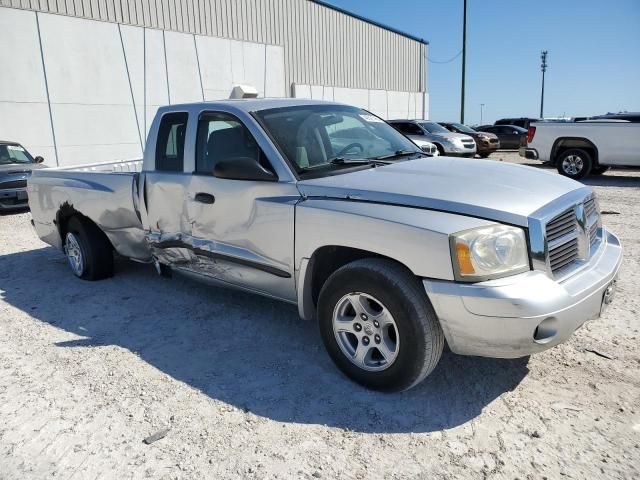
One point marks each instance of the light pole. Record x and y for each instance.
(543, 67)
(481, 107)
(464, 59)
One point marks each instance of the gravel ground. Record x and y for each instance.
(89, 370)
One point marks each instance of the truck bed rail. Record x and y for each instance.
(117, 166)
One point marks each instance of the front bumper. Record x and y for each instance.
(526, 313)
(13, 199)
(486, 147)
(528, 153)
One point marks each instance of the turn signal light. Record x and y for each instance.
(464, 259)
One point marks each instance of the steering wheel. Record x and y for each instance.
(349, 147)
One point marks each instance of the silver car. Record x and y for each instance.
(448, 143)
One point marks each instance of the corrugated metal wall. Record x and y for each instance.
(322, 46)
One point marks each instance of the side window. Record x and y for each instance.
(224, 137)
(409, 128)
(170, 143)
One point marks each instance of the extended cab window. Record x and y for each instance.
(170, 145)
(223, 137)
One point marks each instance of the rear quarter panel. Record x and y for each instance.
(105, 198)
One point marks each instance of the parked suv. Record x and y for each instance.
(510, 136)
(486, 143)
(15, 166)
(448, 143)
(523, 122)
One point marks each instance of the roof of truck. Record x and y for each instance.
(252, 104)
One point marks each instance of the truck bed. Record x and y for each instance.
(108, 199)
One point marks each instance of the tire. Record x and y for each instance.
(440, 149)
(599, 170)
(382, 289)
(574, 163)
(484, 154)
(88, 251)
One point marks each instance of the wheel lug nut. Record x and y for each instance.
(365, 340)
(364, 317)
(376, 324)
(357, 327)
(377, 338)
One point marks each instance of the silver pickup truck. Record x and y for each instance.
(328, 207)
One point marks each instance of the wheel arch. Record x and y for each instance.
(320, 265)
(562, 144)
(65, 213)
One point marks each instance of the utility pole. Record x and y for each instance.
(543, 67)
(464, 59)
(481, 107)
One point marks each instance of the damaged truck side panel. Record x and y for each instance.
(108, 200)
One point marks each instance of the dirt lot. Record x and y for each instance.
(88, 370)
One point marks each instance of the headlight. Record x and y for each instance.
(489, 252)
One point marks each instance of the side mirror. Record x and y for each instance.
(243, 168)
(39, 159)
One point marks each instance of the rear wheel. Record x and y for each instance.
(599, 170)
(378, 325)
(88, 250)
(574, 163)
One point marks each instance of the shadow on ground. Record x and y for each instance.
(242, 349)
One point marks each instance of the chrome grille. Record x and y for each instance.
(562, 225)
(563, 255)
(593, 219)
(565, 235)
(562, 240)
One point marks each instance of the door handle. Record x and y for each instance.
(205, 198)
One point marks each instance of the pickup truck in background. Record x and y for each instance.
(578, 149)
(328, 207)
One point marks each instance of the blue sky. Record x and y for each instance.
(594, 53)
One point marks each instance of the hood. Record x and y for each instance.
(481, 188)
(19, 168)
(487, 134)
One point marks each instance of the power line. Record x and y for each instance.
(446, 61)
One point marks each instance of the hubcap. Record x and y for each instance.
(572, 164)
(365, 331)
(74, 254)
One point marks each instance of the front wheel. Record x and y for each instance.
(378, 325)
(574, 163)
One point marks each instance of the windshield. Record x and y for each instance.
(14, 154)
(325, 138)
(463, 128)
(433, 127)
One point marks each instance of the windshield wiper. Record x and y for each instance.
(343, 161)
(355, 161)
(400, 153)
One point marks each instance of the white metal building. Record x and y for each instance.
(82, 79)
